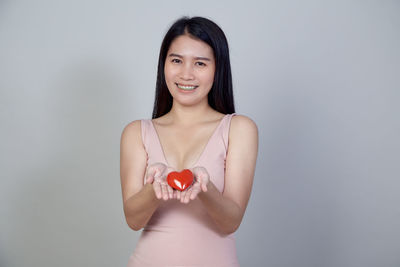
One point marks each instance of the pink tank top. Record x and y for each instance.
(184, 234)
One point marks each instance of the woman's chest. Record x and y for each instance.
(188, 151)
(182, 148)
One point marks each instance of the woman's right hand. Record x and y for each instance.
(157, 176)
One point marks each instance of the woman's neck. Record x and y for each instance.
(190, 115)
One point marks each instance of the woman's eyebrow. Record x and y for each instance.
(197, 58)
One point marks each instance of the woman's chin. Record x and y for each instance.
(185, 101)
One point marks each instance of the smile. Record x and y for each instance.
(186, 87)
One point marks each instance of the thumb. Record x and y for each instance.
(204, 187)
(149, 180)
(150, 175)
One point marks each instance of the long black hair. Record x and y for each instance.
(220, 96)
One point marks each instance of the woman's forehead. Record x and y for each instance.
(186, 46)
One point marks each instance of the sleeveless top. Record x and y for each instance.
(181, 234)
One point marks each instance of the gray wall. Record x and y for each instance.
(320, 79)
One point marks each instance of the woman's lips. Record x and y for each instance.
(185, 87)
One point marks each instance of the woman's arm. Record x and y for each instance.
(227, 208)
(140, 207)
(139, 201)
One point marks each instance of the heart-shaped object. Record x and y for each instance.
(180, 180)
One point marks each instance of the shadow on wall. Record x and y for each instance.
(67, 206)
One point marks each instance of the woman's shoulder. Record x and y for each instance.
(242, 128)
(133, 128)
(243, 134)
(133, 124)
(242, 121)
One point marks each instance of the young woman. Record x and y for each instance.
(195, 127)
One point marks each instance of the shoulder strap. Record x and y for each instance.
(144, 130)
(225, 131)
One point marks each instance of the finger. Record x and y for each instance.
(164, 191)
(157, 189)
(170, 191)
(178, 194)
(188, 194)
(183, 194)
(149, 180)
(150, 175)
(204, 187)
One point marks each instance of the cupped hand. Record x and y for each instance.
(157, 176)
(201, 180)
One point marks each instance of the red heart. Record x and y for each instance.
(180, 180)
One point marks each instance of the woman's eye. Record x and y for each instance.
(201, 64)
(175, 60)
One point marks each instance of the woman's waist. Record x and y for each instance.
(178, 234)
(186, 244)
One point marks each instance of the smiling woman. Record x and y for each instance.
(195, 137)
(189, 67)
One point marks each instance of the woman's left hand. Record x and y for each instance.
(201, 180)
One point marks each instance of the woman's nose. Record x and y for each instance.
(187, 72)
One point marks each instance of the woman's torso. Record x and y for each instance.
(184, 234)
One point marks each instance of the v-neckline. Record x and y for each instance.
(202, 152)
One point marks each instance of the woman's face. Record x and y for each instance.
(189, 70)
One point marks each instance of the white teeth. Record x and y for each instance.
(186, 87)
